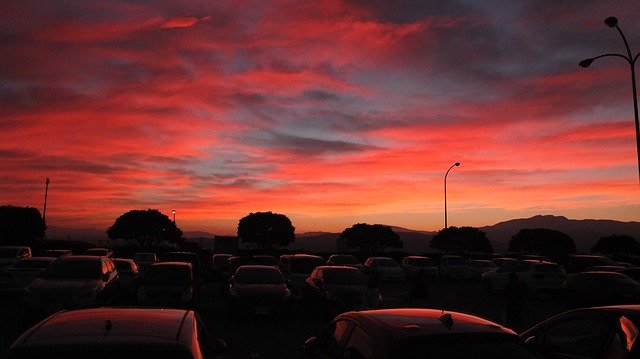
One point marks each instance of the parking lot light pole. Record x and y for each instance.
(631, 60)
(445, 193)
(173, 211)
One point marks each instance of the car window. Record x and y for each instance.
(353, 277)
(577, 337)
(359, 345)
(329, 341)
(73, 270)
(462, 346)
(259, 276)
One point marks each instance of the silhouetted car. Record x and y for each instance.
(118, 333)
(168, 284)
(335, 289)
(601, 288)
(186, 257)
(454, 267)
(261, 288)
(582, 262)
(56, 253)
(15, 279)
(129, 274)
(420, 264)
(297, 268)
(479, 267)
(265, 260)
(415, 333)
(539, 277)
(348, 260)
(219, 265)
(144, 260)
(11, 254)
(598, 332)
(633, 273)
(100, 252)
(384, 269)
(72, 282)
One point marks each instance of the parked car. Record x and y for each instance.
(420, 264)
(100, 252)
(384, 269)
(538, 277)
(582, 262)
(144, 260)
(11, 254)
(598, 332)
(168, 284)
(72, 282)
(186, 257)
(297, 269)
(17, 277)
(56, 253)
(129, 274)
(261, 289)
(601, 288)
(335, 289)
(454, 267)
(122, 333)
(219, 265)
(348, 260)
(415, 333)
(480, 266)
(264, 259)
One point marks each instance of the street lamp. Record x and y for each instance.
(173, 211)
(46, 192)
(445, 193)
(613, 22)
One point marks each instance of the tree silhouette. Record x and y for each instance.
(371, 238)
(145, 228)
(266, 229)
(549, 242)
(617, 244)
(462, 240)
(20, 225)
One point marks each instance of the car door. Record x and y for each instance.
(582, 334)
(330, 343)
(359, 345)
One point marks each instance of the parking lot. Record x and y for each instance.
(251, 336)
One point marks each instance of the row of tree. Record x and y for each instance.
(269, 231)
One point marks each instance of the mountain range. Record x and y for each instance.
(584, 232)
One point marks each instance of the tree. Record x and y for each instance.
(617, 244)
(266, 229)
(463, 240)
(20, 225)
(145, 228)
(371, 238)
(549, 242)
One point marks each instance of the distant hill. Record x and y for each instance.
(585, 233)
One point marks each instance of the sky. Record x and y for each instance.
(331, 112)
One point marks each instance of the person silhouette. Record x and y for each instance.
(515, 293)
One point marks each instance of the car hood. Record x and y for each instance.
(50, 285)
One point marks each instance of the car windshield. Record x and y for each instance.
(462, 345)
(74, 270)
(345, 260)
(259, 276)
(32, 264)
(8, 253)
(340, 277)
(305, 265)
(167, 275)
(423, 262)
(181, 257)
(387, 262)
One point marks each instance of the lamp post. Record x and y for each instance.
(173, 211)
(445, 193)
(46, 191)
(631, 60)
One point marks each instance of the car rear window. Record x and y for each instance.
(305, 265)
(167, 275)
(74, 270)
(259, 276)
(353, 277)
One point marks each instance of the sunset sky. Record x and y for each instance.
(331, 112)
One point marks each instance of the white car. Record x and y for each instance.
(420, 264)
(539, 277)
(384, 268)
(480, 267)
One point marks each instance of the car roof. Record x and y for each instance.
(33, 259)
(81, 257)
(14, 247)
(258, 267)
(337, 268)
(107, 326)
(171, 264)
(418, 322)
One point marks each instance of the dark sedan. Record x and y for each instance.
(261, 288)
(597, 332)
(335, 288)
(415, 333)
(168, 284)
